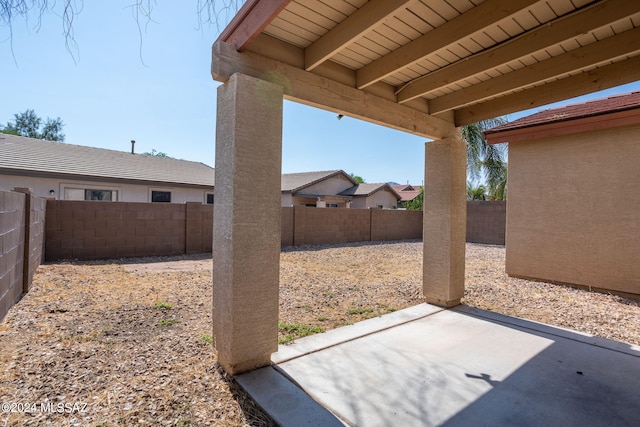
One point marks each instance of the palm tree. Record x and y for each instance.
(476, 193)
(484, 161)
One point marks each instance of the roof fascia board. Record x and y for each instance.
(317, 91)
(566, 127)
(112, 180)
(251, 19)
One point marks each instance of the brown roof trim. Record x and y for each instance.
(567, 127)
(251, 19)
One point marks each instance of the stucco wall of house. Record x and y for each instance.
(333, 185)
(126, 192)
(382, 197)
(573, 212)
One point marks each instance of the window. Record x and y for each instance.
(106, 195)
(209, 199)
(332, 205)
(160, 196)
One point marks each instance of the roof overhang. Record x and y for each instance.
(427, 66)
(565, 127)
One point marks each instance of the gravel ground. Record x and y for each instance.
(128, 342)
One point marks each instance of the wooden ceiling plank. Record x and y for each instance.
(481, 16)
(311, 89)
(547, 35)
(616, 74)
(599, 52)
(355, 25)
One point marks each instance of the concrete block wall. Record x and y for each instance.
(286, 236)
(313, 226)
(96, 230)
(395, 225)
(199, 228)
(12, 246)
(21, 244)
(86, 230)
(486, 222)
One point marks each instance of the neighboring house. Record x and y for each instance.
(407, 193)
(573, 212)
(73, 172)
(367, 196)
(334, 189)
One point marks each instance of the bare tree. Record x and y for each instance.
(210, 12)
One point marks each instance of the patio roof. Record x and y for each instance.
(427, 66)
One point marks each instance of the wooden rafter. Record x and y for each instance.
(474, 20)
(368, 16)
(605, 50)
(574, 25)
(605, 77)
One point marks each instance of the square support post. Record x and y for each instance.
(246, 231)
(444, 224)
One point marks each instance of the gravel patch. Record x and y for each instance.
(129, 341)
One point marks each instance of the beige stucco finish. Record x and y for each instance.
(573, 211)
(444, 224)
(246, 232)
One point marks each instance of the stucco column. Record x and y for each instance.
(444, 224)
(246, 232)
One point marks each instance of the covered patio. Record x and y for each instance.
(424, 67)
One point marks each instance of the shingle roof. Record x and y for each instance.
(367, 190)
(19, 155)
(407, 192)
(574, 111)
(293, 182)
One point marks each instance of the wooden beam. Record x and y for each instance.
(308, 88)
(362, 20)
(627, 43)
(250, 20)
(619, 73)
(588, 19)
(486, 13)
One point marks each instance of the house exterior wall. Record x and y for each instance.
(382, 198)
(126, 192)
(333, 185)
(287, 199)
(573, 209)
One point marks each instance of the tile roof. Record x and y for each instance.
(293, 182)
(611, 104)
(367, 190)
(19, 154)
(407, 192)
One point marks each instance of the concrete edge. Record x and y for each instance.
(287, 404)
(618, 346)
(317, 342)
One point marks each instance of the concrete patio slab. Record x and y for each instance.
(468, 367)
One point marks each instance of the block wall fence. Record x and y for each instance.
(22, 226)
(97, 230)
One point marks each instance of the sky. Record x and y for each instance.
(155, 87)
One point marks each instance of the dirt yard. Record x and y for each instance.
(128, 342)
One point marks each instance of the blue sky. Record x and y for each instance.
(160, 93)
